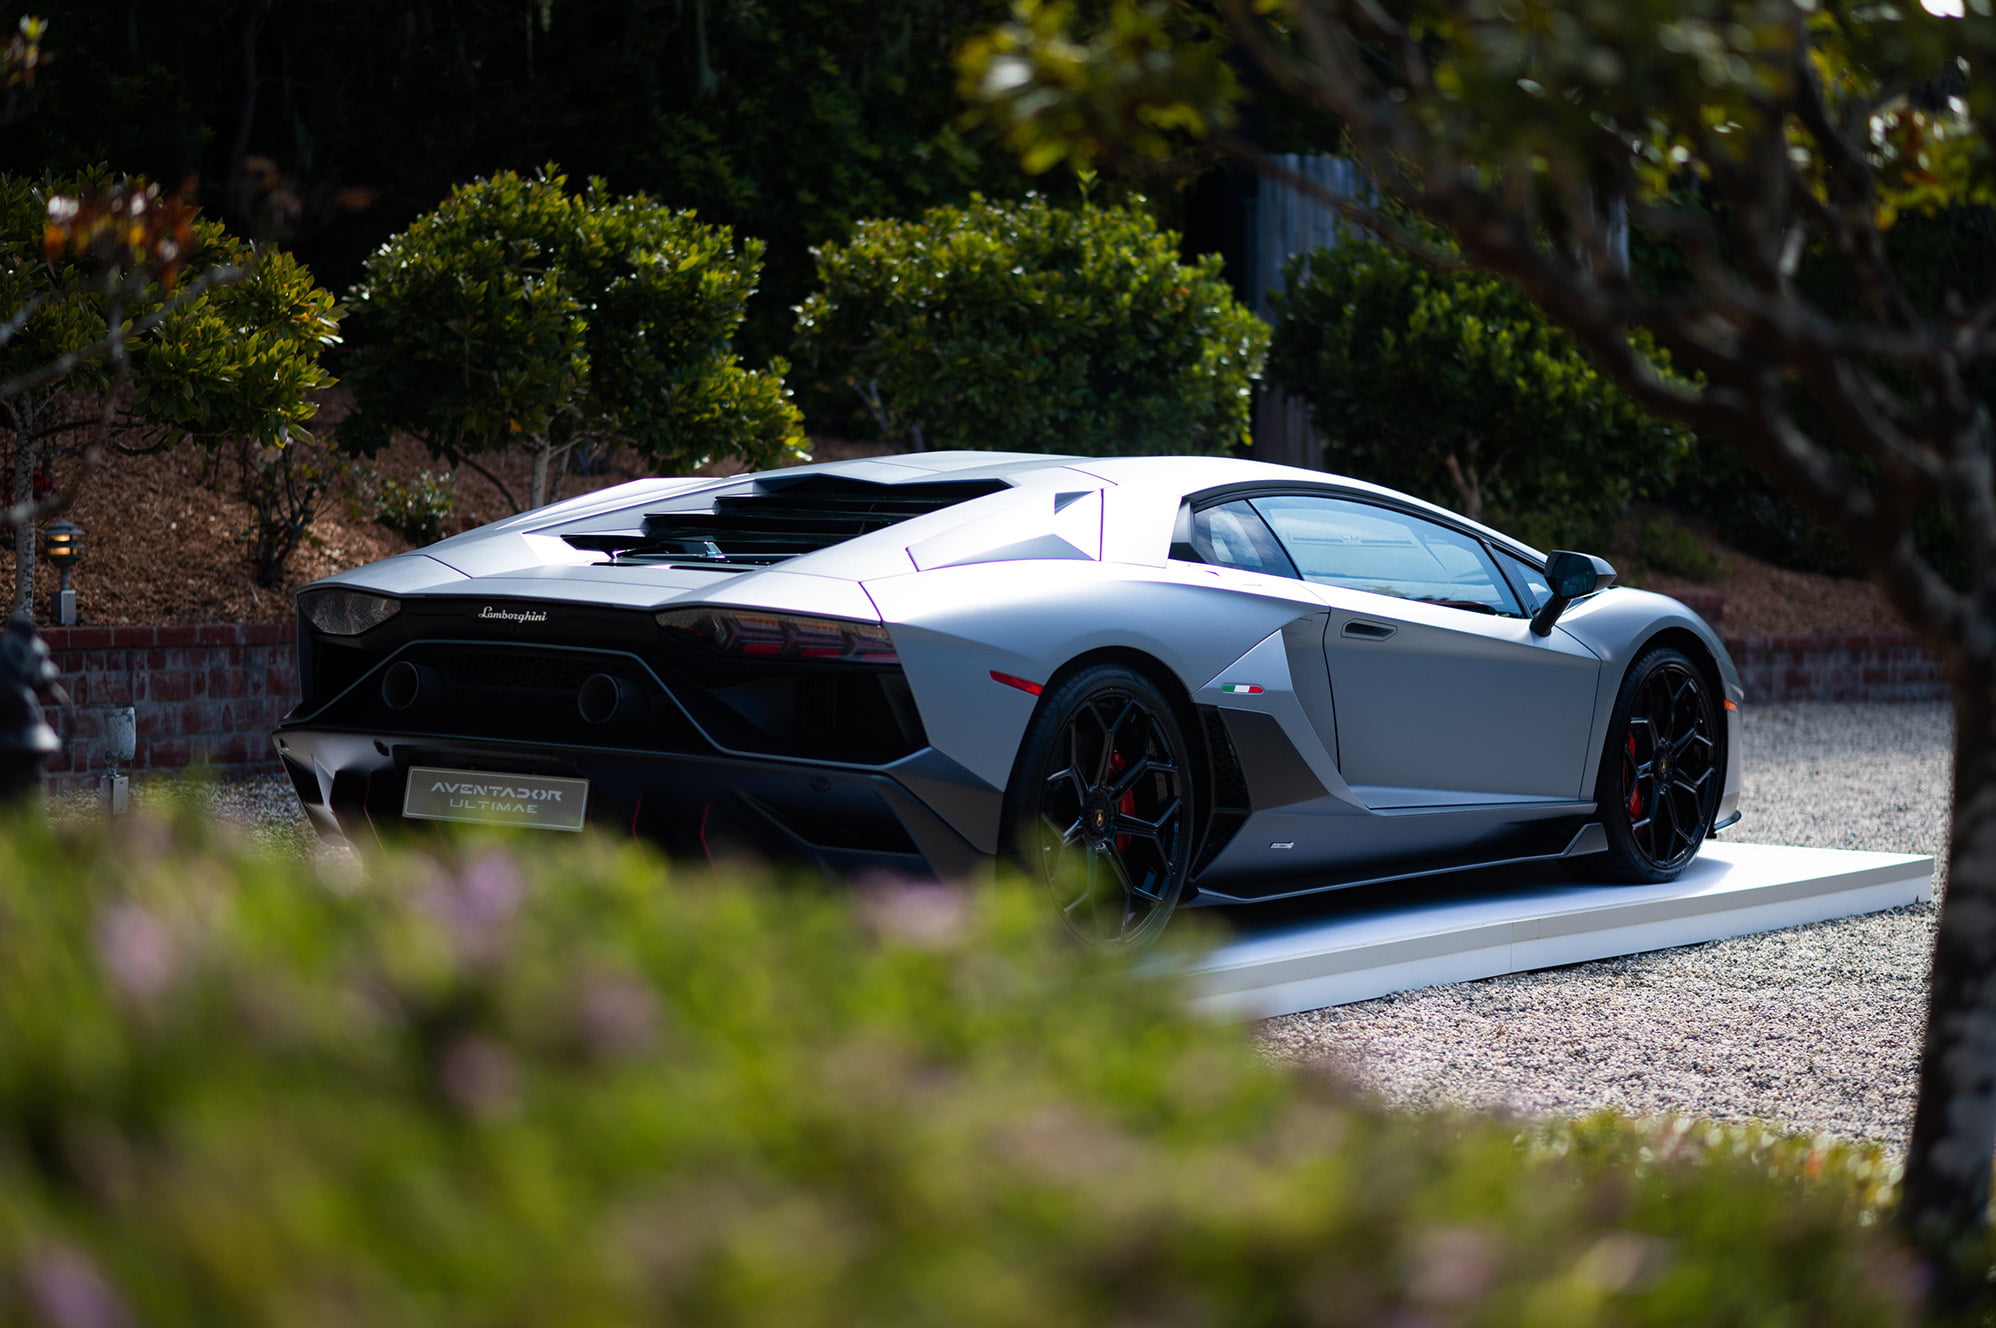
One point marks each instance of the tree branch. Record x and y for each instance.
(465, 458)
(12, 327)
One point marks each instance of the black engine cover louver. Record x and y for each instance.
(780, 521)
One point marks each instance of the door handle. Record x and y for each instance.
(1368, 631)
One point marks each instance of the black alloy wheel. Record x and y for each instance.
(1101, 806)
(1662, 771)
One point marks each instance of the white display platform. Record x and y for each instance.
(1353, 945)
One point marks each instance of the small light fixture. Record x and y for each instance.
(62, 544)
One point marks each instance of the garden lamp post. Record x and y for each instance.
(62, 544)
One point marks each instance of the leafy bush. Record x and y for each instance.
(1452, 386)
(1025, 327)
(417, 510)
(1667, 546)
(1721, 486)
(232, 365)
(519, 315)
(560, 1084)
(282, 488)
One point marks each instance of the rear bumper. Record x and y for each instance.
(841, 819)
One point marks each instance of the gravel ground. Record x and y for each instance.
(264, 807)
(1815, 1028)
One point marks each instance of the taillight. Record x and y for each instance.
(781, 636)
(340, 612)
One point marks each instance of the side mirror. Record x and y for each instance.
(1570, 575)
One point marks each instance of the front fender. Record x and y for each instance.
(1620, 624)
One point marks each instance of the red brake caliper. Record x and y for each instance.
(1635, 794)
(1127, 804)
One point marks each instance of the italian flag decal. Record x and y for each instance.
(1242, 688)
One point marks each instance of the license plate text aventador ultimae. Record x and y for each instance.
(484, 798)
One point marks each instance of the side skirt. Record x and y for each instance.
(1586, 839)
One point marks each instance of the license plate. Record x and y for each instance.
(484, 798)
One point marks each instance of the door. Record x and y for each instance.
(1444, 696)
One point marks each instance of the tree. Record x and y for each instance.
(788, 122)
(1028, 327)
(520, 315)
(1449, 384)
(109, 284)
(1517, 127)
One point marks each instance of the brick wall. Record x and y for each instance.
(208, 694)
(1877, 667)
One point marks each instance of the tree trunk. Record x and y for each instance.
(27, 460)
(1945, 1201)
(1468, 486)
(543, 464)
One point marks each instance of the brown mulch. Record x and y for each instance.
(1761, 598)
(165, 543)
(1765, 600)
(165, 535)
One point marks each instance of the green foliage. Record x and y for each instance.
(239, 360)
(1450, 385)
(558, 1083)
(1670, 548)
(282, 487)
(1028, 327)
(1723, 487)
(520, 314)
(71, 295)
(792, 122)
(223, 343)
(417, 510)
(1142, 53)
(786, 121)
(242, 361)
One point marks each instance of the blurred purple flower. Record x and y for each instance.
(138, 950)
(1454, 1266)
(616, 1015)
(479, 1076)
(922, 914)
(478, 904)
(69, 1292)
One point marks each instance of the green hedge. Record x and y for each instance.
(1033, 328)
(518, 316)
(557, 1084)
(1451, 385)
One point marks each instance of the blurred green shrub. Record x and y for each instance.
(1666, 545)
(1450, 385)
(417, 510)
(1026, 327)
(556, 1084)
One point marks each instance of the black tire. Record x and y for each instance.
(1661, 772)
(1101, 807)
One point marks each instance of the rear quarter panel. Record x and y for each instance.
(954, 626)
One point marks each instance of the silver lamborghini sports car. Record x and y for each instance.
(1157, 681)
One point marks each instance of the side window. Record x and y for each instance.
(1528, 579)
(1339, 542)
(1231, 535)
